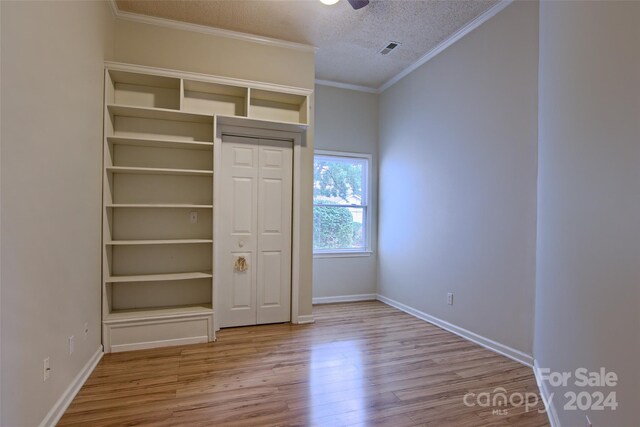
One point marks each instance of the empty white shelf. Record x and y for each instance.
(159, 114)
(161, 143)
(157, 242)
(162, 205)
(160, 277)
(158, 171)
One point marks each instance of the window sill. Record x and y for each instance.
(345, 254)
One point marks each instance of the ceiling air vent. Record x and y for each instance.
(389, 48)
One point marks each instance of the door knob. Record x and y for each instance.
(241, 243)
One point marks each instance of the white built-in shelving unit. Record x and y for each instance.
(158, 174)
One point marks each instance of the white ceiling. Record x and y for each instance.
(348, 40)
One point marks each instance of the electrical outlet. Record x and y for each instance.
(193, 217)
(46, 370)
(450, 298)
(86, 330)
(588, 423)
(72, 344)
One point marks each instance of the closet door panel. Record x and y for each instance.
(242, 206)
(270, 274)
(274, 231)
(238, 239)
(272, 215)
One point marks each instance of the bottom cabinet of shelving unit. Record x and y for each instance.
(142, 334)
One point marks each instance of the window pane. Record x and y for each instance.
(338, 227)
(339, 181)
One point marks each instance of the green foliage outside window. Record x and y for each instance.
(333, 227)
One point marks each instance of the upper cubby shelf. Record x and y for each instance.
(190, 97)
(144, 90)
(213, 98)
(278, 106)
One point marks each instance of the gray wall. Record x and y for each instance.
(52, 91)
(458, 182)
(347, 120)
(588, 258)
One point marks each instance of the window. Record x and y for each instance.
(340, 202)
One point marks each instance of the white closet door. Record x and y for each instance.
(256, 192)
(274, 231)
(238, 217)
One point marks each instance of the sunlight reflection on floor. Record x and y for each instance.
(336, 382)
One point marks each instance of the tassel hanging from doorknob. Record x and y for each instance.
(241, 264)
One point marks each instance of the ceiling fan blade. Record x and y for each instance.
(358, 4)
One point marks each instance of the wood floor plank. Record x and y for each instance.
(361, 364)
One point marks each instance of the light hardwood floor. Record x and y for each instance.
(360, 364)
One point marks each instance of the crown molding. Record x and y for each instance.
(204, 29)
(114, 7)
(472, 25)
(346, 86)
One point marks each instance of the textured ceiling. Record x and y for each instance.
(348, 40)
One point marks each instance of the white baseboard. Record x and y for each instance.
(344, 298)
(65, 400)
(549, 402)
(307, 318)
(497, 347)
(117, 348)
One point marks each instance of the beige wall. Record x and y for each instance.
(588, 274)
(457, 202)
(53, 56)
(52, 61)
(347, 120)
(163, 47)
(157, 46)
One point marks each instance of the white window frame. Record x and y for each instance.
(367, 184)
